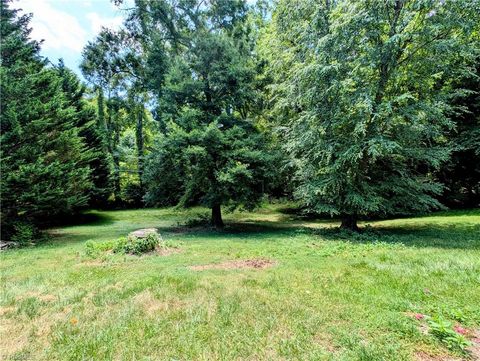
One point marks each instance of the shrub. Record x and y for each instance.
(23, 233)
(135, 245)
(132, 195)
(443, 330)
(125, 245)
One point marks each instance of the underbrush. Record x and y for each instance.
(451, 336)
(125, 245)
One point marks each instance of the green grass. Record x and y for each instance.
(330, 295)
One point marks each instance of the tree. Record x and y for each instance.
(92, 133)
(210, 153)
(461, 174)
(367, 89)
(45, 161)
(113, 63)
(100, 67)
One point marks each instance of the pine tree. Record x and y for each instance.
(93, 134)
(44, 160)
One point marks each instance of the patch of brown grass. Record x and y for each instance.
(241, 264)
(151, 305)
(424, 356)
(41, 296)
(167, 251)
(325, 340)
(14, 337)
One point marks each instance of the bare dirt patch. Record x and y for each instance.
(14, 338)
(258, 263)
(474, 349)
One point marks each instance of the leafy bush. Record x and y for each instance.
(135, 245)
(443, 330)
(23, 233)
(132, 195)
(125, 245)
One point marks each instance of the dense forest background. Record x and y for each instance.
(354, 109)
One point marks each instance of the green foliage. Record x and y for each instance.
(365, 89)
(86, 120)
(132, 194)
(211, 153)
(45, 161)
(124, 245)
(461, 174)
(23, 233)
(209, 165)
(199, 220)
(443, 330)
(96, 249)
(137, 246)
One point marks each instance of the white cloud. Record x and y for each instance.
(64, 31)
(58, 28)
(96, 22)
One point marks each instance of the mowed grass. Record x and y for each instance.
(329, 296)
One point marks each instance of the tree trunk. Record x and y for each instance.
(115, 128)
(217, 221)
(140, 145)
(349, 222)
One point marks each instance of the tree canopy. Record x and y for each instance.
(45, 160)
(355, 109)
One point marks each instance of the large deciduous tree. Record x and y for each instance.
(367, 89)
(114, 64)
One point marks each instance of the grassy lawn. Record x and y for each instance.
(328, 295)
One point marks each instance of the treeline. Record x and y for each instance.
(356, 109)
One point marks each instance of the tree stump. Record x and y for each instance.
(143, 233)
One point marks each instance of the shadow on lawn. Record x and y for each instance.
(90, 218)
(438, 235)
(450, 236)
(235, 229)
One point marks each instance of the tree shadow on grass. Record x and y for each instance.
(448, 236)
(455, 235)
(234, 230)
(90, 218)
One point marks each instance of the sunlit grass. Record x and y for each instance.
(330, 295)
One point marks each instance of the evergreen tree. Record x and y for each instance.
(88, 124)
(210, 153)
(44, 160)
(367, 89)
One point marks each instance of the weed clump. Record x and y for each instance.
(132, 245)
(452, 337)
(136, 245)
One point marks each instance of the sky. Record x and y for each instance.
(67, 25)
